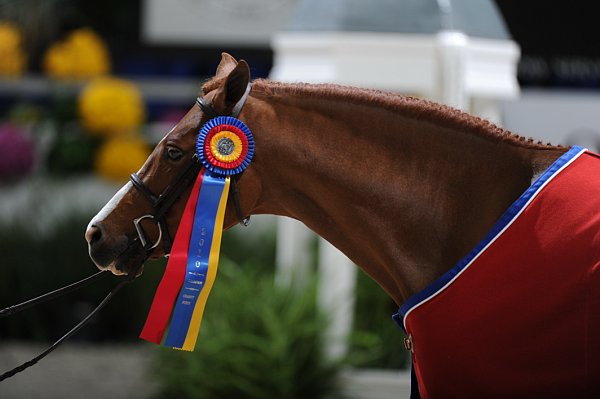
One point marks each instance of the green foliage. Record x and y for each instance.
(257, 341)
(248, 246)
(376, 341)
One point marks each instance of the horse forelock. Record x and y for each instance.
(411, 107)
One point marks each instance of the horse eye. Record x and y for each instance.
(174, 153)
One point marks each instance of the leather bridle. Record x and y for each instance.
(162, 203)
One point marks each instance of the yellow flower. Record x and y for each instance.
(111, 106)
(119, 157)
(81, 55)
(12, 57)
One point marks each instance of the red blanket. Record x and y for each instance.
(519, 317)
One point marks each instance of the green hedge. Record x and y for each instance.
(376, 341)
(257, 341)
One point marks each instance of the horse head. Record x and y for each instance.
(142, 217)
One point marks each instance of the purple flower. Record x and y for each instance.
(17, 153)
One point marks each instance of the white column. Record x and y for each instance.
(293, 253)
(452, 52)
(486, 108)
(337, 277)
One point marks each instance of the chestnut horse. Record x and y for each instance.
(404, 187)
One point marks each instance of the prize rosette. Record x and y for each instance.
(225, 146)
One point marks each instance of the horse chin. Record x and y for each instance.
(115, 270)
(129, 262)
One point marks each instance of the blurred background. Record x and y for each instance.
(87, 88)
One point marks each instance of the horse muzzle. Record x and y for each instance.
(118, 254)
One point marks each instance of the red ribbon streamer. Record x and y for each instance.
(170, 285)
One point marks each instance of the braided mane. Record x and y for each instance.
(411, 107)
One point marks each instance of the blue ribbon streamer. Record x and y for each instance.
(198, 257)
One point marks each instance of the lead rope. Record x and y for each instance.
(54, 294)
(51, 295)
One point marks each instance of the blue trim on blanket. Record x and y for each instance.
(504, 220)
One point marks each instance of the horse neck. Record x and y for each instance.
(403, 197)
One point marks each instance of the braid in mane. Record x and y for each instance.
(406, 105)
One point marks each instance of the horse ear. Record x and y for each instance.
(233, 89)
(226, 65)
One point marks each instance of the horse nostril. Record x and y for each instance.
(93, 234)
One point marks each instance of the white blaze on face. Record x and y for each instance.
(111, 205)
(114, 201)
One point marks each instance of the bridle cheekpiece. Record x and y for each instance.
(224, 147)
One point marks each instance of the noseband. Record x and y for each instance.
(162, 203)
